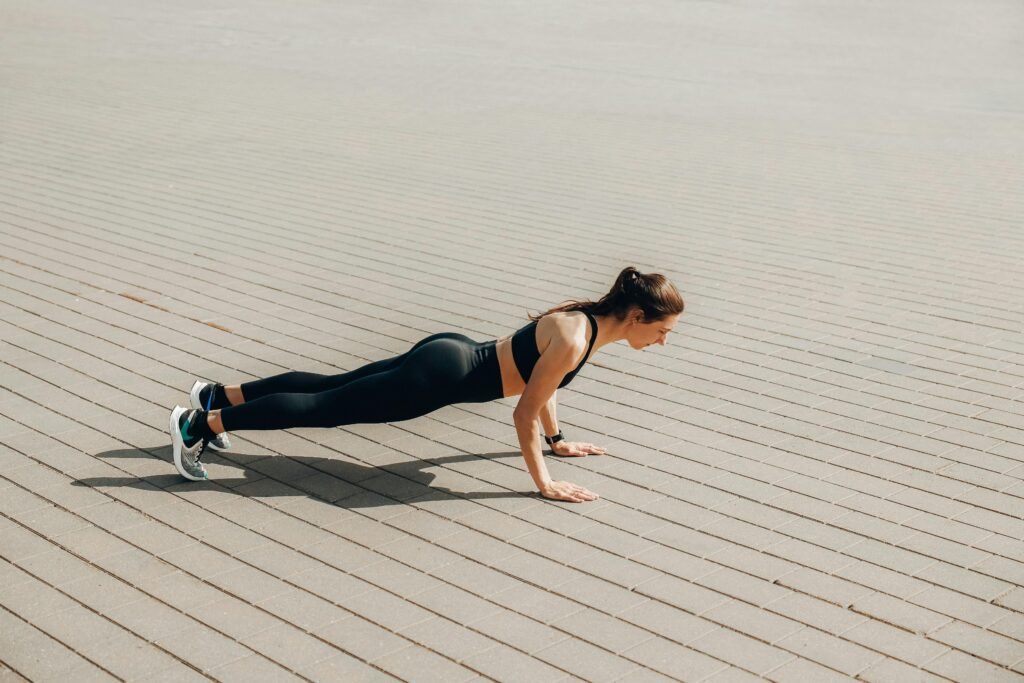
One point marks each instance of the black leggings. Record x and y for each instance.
(440, 370)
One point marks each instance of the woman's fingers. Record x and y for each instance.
(564, 490)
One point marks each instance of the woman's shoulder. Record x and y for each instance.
(565, 328)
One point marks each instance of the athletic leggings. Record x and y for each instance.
(440, 370)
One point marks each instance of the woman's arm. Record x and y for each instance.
(554, 363)
(548, 418)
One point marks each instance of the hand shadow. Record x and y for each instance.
(330, 480)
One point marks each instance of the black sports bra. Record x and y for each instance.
(526, 355)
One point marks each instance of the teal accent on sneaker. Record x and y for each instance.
(185, 429)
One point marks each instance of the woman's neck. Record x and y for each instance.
(609, 330)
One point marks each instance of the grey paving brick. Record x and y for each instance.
(518, 630)
(36, 655)
(386, 609)
(750, 620)
(894, 670)
(455, 604)
(741, 650)
(854, 353)
(674, 660)
(971, 639)
(890, 610)
(964, 607)
(290, 647)
(804, 670)
(449, 638)
(839, 654)
(362, 639)
(344, 667)
(202, 648)
(585, 660)
(895, 642)
(415, 662)
(301, 608)
(255, 667)
(960, 666)
(504, 663)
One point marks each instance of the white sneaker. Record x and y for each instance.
(187, 446)
(221, 442)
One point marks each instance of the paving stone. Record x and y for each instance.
(835, 653)
(585, 660)
(253, 667)
(882, 637)
(36, 655)
(415, 662)
(959, 666)
(804, 670)
(518, 630)
(674, 660)
(290, 647)
(346, 668)
(893, 670)
(202, 648)
(740, 650)
(835, 423)
(362, 639)
(898, 613)
(151, 619)
(749, 620)
(448, 638)
(971, 639)
(669, 622)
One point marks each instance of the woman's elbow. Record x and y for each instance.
(522, 416)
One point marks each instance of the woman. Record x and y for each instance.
(443, 369)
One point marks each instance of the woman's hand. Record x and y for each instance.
(564, 490)
(575, 448)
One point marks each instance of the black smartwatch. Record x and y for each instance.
(552, 440)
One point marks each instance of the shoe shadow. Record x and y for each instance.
(332, 481)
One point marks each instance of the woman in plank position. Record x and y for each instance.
(440, 370)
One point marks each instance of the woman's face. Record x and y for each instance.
(641, 334)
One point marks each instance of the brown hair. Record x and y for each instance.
(656, 297)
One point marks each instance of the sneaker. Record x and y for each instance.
(221, 441)
(188, 447)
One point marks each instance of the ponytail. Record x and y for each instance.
(653, 294)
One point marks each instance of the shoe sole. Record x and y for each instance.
(193, 396)
(177, 443)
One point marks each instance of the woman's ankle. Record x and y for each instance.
(233, 395)
(214, 422)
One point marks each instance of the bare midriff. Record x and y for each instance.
(512, 383)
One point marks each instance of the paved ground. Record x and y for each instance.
(821, 477)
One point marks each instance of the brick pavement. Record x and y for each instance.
(820, 478)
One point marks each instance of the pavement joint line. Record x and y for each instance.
(431, 159)
(855, 334)
(177, 609)
(824, 144)
(538, 586)
(246, 563)
(87, 607)
(541, 587)
(998, 511)
(728, 540)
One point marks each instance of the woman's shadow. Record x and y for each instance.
(337, 482)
